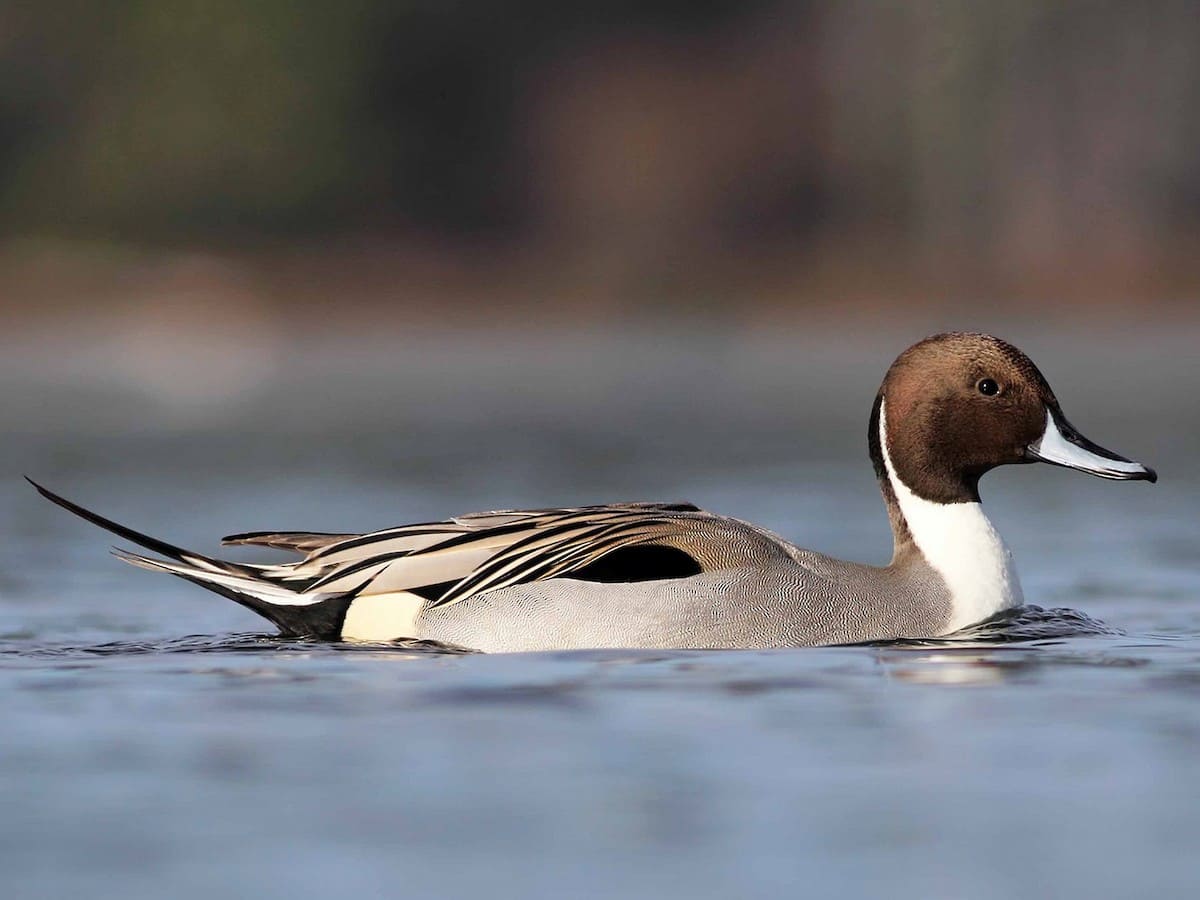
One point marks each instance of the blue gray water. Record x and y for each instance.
(154, 741)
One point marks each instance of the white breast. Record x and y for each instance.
(960, 543)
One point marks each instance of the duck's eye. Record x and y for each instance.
(988, 387)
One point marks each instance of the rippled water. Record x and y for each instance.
(154, 743)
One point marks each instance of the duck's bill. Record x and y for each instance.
(1061, 445)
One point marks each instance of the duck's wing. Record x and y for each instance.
(446, 562)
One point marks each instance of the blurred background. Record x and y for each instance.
(467, 160)
(339, 266)
(298, 216)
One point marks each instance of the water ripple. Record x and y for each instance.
(1025, 625)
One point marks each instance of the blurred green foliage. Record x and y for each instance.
(138, 114)
(141, 115)
(955, 122)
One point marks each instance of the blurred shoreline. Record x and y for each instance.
(351, 284)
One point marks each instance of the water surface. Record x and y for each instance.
(155, 741)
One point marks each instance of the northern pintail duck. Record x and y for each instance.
(951, 408)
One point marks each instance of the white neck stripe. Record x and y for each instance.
(959, 542)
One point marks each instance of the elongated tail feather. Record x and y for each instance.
(150, 543)
(295, 614)
(319, 616)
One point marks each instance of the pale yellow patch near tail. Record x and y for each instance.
(382, 617)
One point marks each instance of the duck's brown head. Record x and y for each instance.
(956, 405)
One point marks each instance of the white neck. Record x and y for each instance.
(959, 542)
